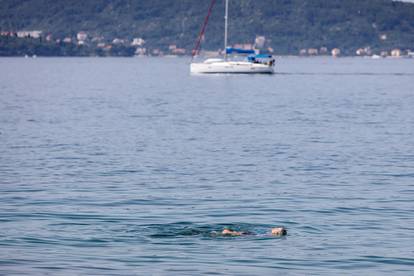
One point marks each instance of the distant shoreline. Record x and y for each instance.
(188, 57)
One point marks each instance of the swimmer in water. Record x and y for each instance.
(276, 231)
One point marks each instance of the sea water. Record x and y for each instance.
(131, 166)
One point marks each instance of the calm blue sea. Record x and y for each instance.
(127, 166)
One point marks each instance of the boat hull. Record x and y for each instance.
(231, 67)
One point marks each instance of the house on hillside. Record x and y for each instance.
(119, 41)
(49, 38)
(396, 53)
(137, 42)
(360, 52)
(336, 52)
(5, 33)
(140, 51)
(323, 51)
(244, 46)
(32, 34)
(175, 50)
(259, 42)
(178, 51)
(67, 40)
(81, 36)
(157, 52)
(97, 39)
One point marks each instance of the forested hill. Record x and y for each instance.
(288, 25)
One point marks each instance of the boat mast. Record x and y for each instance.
(226, 14)
(203, 29)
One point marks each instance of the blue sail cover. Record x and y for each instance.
(263, 56)
(259, 57)
(230, 50)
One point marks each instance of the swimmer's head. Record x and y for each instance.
(279, 231)
(230, 232)
(226, 231)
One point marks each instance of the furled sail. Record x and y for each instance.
(230, 50)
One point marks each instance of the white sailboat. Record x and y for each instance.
(252, 65)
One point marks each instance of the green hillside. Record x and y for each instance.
(288, 25)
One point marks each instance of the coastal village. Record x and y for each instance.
(101, 46)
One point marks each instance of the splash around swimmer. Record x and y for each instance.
(276, 231)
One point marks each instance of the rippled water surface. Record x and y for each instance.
(131, 166)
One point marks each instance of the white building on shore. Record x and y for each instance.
(32, 34)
